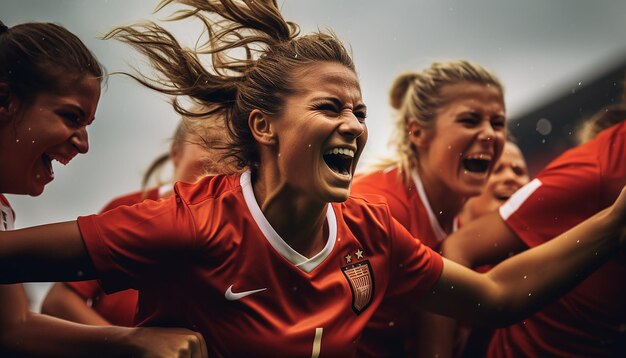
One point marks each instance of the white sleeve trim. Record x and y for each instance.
(518, 198)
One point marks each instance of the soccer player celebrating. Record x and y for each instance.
(280, 260)
(49, 91)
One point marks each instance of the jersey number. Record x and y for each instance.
(317, 343)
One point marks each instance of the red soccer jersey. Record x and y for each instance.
(389, 331)
(589, 321)
(7, 216)
(209, 260)
(118, 308)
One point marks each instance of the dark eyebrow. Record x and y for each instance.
(470, 113)
(338, 103)
(81, 112)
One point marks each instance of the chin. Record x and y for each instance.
(338, 196)
(35, 190)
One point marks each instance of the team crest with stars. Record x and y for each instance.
(359, 274)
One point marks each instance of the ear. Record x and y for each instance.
(6, 107)
(8, 103)
(261, 127)
(418, 135)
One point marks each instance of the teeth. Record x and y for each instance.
(59, 159)
(479, 156)
(343, 151)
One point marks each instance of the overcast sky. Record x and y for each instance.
(538, 49)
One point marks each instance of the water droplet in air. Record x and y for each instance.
(544, 126)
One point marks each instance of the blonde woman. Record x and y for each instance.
(281, 260)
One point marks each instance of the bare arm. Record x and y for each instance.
(471, 246)
(485, 241)
(53, 252)
(26, 333)
(522, 284)
(45, 336)
(63, 302)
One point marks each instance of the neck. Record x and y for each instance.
(297, 219)
(446, 204)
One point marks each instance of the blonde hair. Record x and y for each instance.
(416, 97)
(260, 78)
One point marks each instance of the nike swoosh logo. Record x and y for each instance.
(234, 296)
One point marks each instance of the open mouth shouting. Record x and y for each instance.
(477, 163)
(47, 159)
(339, 160)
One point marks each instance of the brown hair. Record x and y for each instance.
(209, 132)
(260, 79)
(41, 57)
(416, 97)
(604, 118)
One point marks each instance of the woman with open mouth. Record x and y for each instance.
(49, 91)
(509, 174)
(450, 129)
(281, 260)
(589, 320)
(85, 301)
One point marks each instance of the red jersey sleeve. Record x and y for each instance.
(415, 267)
(85, 289)
(390, 188)
(562, 195)
(137, 244)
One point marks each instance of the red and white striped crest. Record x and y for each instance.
(361, 282)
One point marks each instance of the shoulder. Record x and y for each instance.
(366, 209)
(388, 183)
(131, 198)
(381, 180)
(208, 188)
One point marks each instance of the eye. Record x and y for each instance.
(498, 123)
(468, 121)
(519, 170)
(360, 115)
(327, 107)
(72, 117)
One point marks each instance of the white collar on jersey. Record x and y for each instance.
(303, 263)
(438, 231)
(165, 189)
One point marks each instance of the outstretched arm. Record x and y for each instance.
(523, 283)
(45, 336)
(24, 333)
(485, 241)
(45, 253)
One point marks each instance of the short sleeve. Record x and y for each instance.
(414, 267)
(131, 246)
(561, 196)
(85, 289)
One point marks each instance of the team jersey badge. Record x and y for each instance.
(361, 280)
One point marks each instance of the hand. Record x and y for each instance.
(156, 342)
